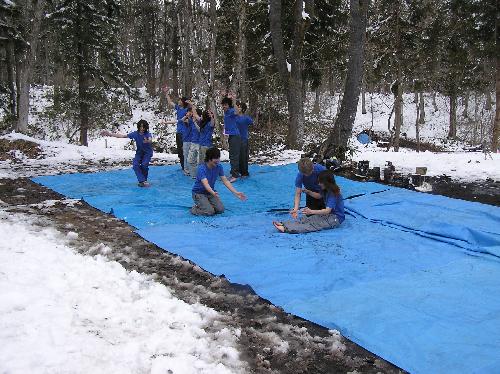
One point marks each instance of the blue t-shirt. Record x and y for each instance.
(310, 182)
(336, 203)
(181, 112)
(139, 141)
(195, 133)
(230, 126)
(210, 174)
(243, 122)
(206, 134)
(185, 128)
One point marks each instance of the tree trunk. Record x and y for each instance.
(11, 80)
(83, 58)
(164, 57)
(476, 118)
(398, 103)
(452, 132)
(238, 83)
(33, 17)
(417, 120)
(316, 108)
(434, 104)
(495, 141)
(465, 102)
(421, 118)
(363, 94)
(291, 78)
(342, 129)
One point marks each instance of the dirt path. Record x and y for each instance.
(311, 348)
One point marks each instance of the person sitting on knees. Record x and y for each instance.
(206, 200)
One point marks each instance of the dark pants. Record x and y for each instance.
(244, 157)
(206, 205)
(315, 204)
(234, 154)
(180, 151)
(141, 165)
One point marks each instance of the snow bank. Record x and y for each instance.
(64, 312)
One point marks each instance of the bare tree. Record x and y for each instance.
(32, 12)
(290, 72)
(495, 141)
(342, 129)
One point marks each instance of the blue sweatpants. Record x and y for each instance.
(141, 165)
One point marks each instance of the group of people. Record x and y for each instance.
(200, 160)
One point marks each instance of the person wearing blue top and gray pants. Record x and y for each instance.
(329, 217)
(206, 199)
(243, 122)
(231, 129)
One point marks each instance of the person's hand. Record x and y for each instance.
(240, 195)
(294, 213)
(306, 210)
(306, 191)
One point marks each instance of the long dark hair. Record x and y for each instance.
(205, 118)
(327, 179)
(144, 123)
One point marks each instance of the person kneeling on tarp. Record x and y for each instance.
(206, 199)
(308, 178)
(144, 150)
(319, 219)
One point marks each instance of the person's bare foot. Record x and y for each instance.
(144, 184)
(279, 226)
(233, 179)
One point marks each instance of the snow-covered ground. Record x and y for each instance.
(61, 312)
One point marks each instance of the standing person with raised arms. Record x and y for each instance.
(232, 131)
(181, 109)
(243, 121)
(207, 125)
(144, 150)
(307, 182)
(206, 199)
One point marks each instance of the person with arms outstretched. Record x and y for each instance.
(206, 199)
(144, 150)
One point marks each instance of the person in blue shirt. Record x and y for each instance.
(187, 126)
(234, 140)
(307, 182)
(206, 199)
(207, 124)
(194, 148)
(243, 121)
(329, 217)
(181, 109)
(144, 150)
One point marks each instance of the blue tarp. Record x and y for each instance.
(409, 276)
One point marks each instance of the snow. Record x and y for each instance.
(64, 312)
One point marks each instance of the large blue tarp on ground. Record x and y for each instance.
(409, 276)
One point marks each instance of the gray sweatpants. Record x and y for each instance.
(206, 205)
(314, 222)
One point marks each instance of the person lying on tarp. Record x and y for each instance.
(206, 200)
(144, 150)
(307, 177)
(328, 217)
